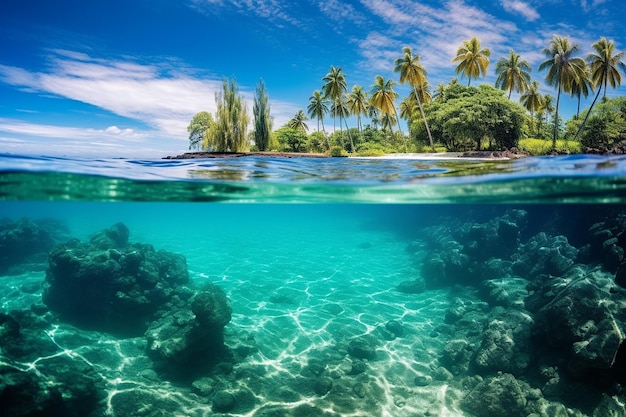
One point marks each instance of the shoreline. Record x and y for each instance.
(503, 155)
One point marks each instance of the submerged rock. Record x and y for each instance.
(111, 285)
(27, 241)
(585, 323)
(500, 395)
(191, 339)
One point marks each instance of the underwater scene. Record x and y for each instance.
(313, 288)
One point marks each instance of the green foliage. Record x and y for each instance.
(606, 125)
(200, 123)
(338, 151)
(472, 118)
(231, 122)
(291, 140)
(262, 118)
(317, 142)
(542, 147)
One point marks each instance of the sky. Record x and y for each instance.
(123, 78)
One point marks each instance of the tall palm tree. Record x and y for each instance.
(408, 107)
(532, 99)
(298, 122)
(605, 70)
(512, 74)
(339, 108)
(357, 104)
(472, 60)
(581, 88)
(334, 86)
(374, 114)
(383, 97)
(413, 72)
(564, 69)
(317, 108)
(387, 121)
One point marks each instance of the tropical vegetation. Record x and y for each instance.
(454, 117)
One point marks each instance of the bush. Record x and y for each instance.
(338, 151)
(542, 147)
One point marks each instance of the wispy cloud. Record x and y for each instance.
(159, 96)
(153, 94)
(526, 10)
(274, 10)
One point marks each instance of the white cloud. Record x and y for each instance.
(526, 10)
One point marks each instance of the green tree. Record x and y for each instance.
(262, 118)
(532, 100)
(357, 105)
(473, 61)
(383, 98)
(298, 122)
(317, 109)
(200, 124)
(607, 125)
(470, 116)
(581, 88)
(231, 121)
(564, 69)
(291, 140)
(605, 69)
(512, 74)
(335, 86)
(412, 71)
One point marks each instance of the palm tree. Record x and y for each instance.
(334, 86)
(340, 109)
(605, 69)
(472, 60)
(374, 114)
(383, 97)
(317, 108)
(298, 122)
(532, 99)
(388, 121)
(413, 72)
(513, 74)
(440, 92)
(581, 88)
(408, 107)
(564, 69)
(357, 104)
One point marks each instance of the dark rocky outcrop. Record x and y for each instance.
(26, 242)
(191, 340)
(110, 284)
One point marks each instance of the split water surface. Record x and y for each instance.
(313, 287)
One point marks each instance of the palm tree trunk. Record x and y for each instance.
(430, 137)
(349, 136)
(325, 135)
(556, 118)
(582, 126)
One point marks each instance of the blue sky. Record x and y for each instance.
(124, 77)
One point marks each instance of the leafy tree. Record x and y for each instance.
(564, 69)
(316, 142)
(262, 118)
(469, 116)
(298, 122)
(532, 100)
(607, 124)
(335, 86)
(231, 121)
(317, 109)
(605, 69)
(357, 105)
(581, 88)
(383, 97)
(473, 61)
(291, 140)
(512, 74)
(412, 71)
(199, 125)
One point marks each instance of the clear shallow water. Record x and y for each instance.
(316, 289)
(573, 179)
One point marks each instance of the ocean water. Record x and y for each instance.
(354, 287)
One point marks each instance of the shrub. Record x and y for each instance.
(338, 151)
(542, 147)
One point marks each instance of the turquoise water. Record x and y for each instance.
(354, 305)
